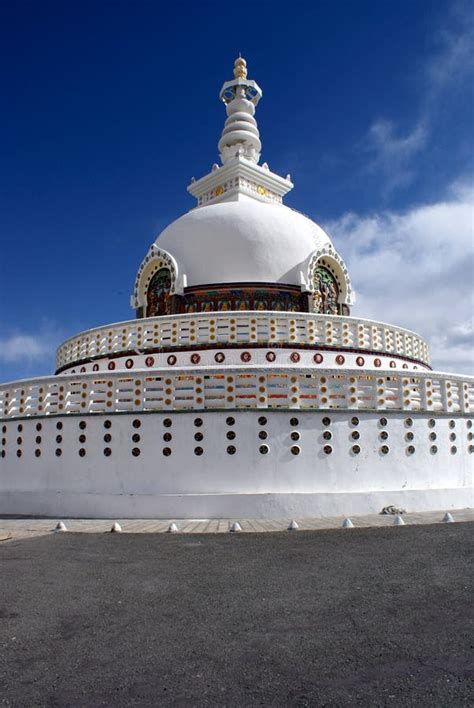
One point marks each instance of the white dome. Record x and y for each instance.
(242, 241)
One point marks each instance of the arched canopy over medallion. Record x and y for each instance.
(158, 296)
(325, 292)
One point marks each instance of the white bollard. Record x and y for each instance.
(293, 526)
(347, 524)
(235, 527)
(116, 528)
(172, 528)
(448, 518)
(60, 526)
(398, 521)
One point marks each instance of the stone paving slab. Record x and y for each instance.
(15, 528)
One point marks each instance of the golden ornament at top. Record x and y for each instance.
(240, 68)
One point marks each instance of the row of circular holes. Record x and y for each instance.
(230, 420)
(231, 449)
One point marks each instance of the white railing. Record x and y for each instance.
(233, 328)
(252, 387)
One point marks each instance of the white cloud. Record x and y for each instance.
(392, 154)
(25, 347)
(416, 269)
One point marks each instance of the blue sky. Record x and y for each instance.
(110, 108)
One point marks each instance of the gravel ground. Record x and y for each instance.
(360, 617)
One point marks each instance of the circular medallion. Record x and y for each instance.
(195, 358)
(111, 365)
(377, 363)
(340, 359)
(83, 369)
(149, 361)
(129, 364)
(392, 365)
(295, 357)
(318, 358)
(270, 356)
(95, 367)
(405, 366)
(360, 361)
(245, 356)
(219, 357)
(171, 360)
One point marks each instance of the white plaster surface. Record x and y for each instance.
(247, 483)
(247, 241)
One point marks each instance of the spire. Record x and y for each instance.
(240, 135)
(240, 177)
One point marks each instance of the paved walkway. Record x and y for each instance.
(14, 528)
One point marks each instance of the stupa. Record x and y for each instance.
(243, 387)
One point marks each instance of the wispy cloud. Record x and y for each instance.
(416, 269)
(24, 347)
(392, 154)
(391, 151)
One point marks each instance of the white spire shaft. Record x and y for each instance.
(240, 135)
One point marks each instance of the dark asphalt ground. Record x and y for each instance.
(364, 617)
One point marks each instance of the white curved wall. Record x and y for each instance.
(249, 483)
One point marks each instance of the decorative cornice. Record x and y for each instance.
(240, 176)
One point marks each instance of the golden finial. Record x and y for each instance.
(240, 68)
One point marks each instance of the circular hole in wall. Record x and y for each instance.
(230, 420)
(355, 449)
(167, 422)
(231, 450)
(167, 437)
(263, 449)
(198, 450)
(198, 437)
(230, 435)
(262, 420)
(327, 449)
(166, 451)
